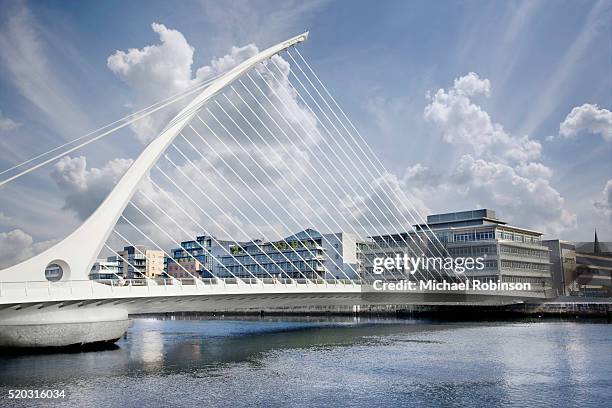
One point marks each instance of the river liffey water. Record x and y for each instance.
(327, 362)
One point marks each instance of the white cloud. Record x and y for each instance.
(566, 74)
(420, 175)
(84, 188)
(588, 118)
(7, 124)
(158, 71)
(526, 198)
(501, 171)
(466, 124)
(155, 72)
(472, 85)
(16, 245)
(533, 170)
(227, 62)
(605, 204)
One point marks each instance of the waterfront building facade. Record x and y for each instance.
(199, 257)
(584, 268)
(593, 275)
(562, 265)
(511, 254)
(306, 254)
(136, 261)
(594, 269)
(105, 269)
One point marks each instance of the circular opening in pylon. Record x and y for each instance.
(56, 271)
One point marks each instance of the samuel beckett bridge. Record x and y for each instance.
(263, 149)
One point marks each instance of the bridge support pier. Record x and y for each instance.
(55, 326)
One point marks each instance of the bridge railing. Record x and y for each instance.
(28, 289)
(222, 281)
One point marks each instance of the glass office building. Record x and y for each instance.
(510, 254)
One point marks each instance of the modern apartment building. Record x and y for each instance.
(136, 261)
(105, 269)
(199, 257)
(511, 254)
(307, 254)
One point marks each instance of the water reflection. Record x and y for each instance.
(330, 361)
(147, 345)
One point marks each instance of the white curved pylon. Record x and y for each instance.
(76, 253)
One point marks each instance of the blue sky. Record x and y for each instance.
(396, 68)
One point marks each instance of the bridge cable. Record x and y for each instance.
(195, 222)
(211, 218)
(281, 174)
(258, 165)
(239, 227)
(130, 119)
(234, 222)
(400, 234)
(316, 185)
(380, 165)
(331, 162)
(315, 156)
(188, 253)
(128, 262)
(187, 233)
(352, 150)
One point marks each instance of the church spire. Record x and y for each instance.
(596, 249)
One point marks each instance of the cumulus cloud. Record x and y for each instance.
(264, 131)
(157, 71)
(472, 85)
(420, 175)
(84, 189)
(527, 198)
(533, 170)
(500, 171)
(17, 245)
(164, 212)
(464, 123)
(604, 205)
(7, 124)
(588, 118)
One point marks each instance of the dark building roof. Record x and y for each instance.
(461, 219)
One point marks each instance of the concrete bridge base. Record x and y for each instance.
(57, 327)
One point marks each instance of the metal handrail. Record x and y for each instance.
(27, 288)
